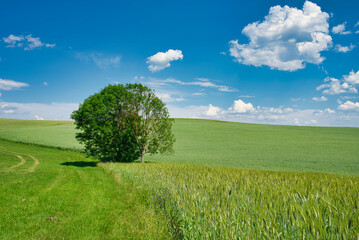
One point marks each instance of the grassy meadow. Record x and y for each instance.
(229, 144)
(63, 195)
(222, 183)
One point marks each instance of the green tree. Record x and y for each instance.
(122, 123)
(149, 121)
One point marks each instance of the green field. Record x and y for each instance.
(69, 196)
(231, 203)
(63, 195)
(217, 143)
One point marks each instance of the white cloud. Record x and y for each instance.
(313, 121)
(286, 39)
(167, 97)
(357, 24)
(246, 96)
(13, 41)
(295, 99)
(194, 94)
(320, 99)
(101, 60)
(48, 45)
(51, 111)
(279, 110)
(161, 60)
(241, 107)
(335, 86)
(10, 84)
(45, 84)
(202, 82)
(352, 78)
(344, 49)
(38, 118)
(27, 42)
(349, 106)
(328, 110)
(340, 29)
(270, 115)
(213, 111)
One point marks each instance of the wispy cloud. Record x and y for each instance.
(6, 84)
(51, 111)
(27, 42)
(201, 82)
(101, 60)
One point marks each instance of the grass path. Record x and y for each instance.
(56, 194)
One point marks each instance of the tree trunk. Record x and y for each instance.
(143, 156)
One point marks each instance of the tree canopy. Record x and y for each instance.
(123, 123)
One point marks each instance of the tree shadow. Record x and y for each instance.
(80, 164)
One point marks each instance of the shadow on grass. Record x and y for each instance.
(80, 164)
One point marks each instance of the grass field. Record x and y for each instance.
(69, 196)
(231, 203)
(216, 143)
(54, 194)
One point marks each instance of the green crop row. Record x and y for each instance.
(229, 203)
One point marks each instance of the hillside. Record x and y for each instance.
(218, 143)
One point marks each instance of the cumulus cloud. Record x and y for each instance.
(340, 29)
(161, 60)
(320, 99)
(286, 39)
(352, 78)
(6, 84)
(349, 106)
(100, 60)
(335, 86)
(213, 111)
(328, 110)
(344, 49)
(27, 42)
(270, 115)
(241, 107)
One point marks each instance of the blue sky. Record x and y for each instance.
(275, 62)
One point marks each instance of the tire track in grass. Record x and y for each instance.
(36, 162)
(22, 160)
